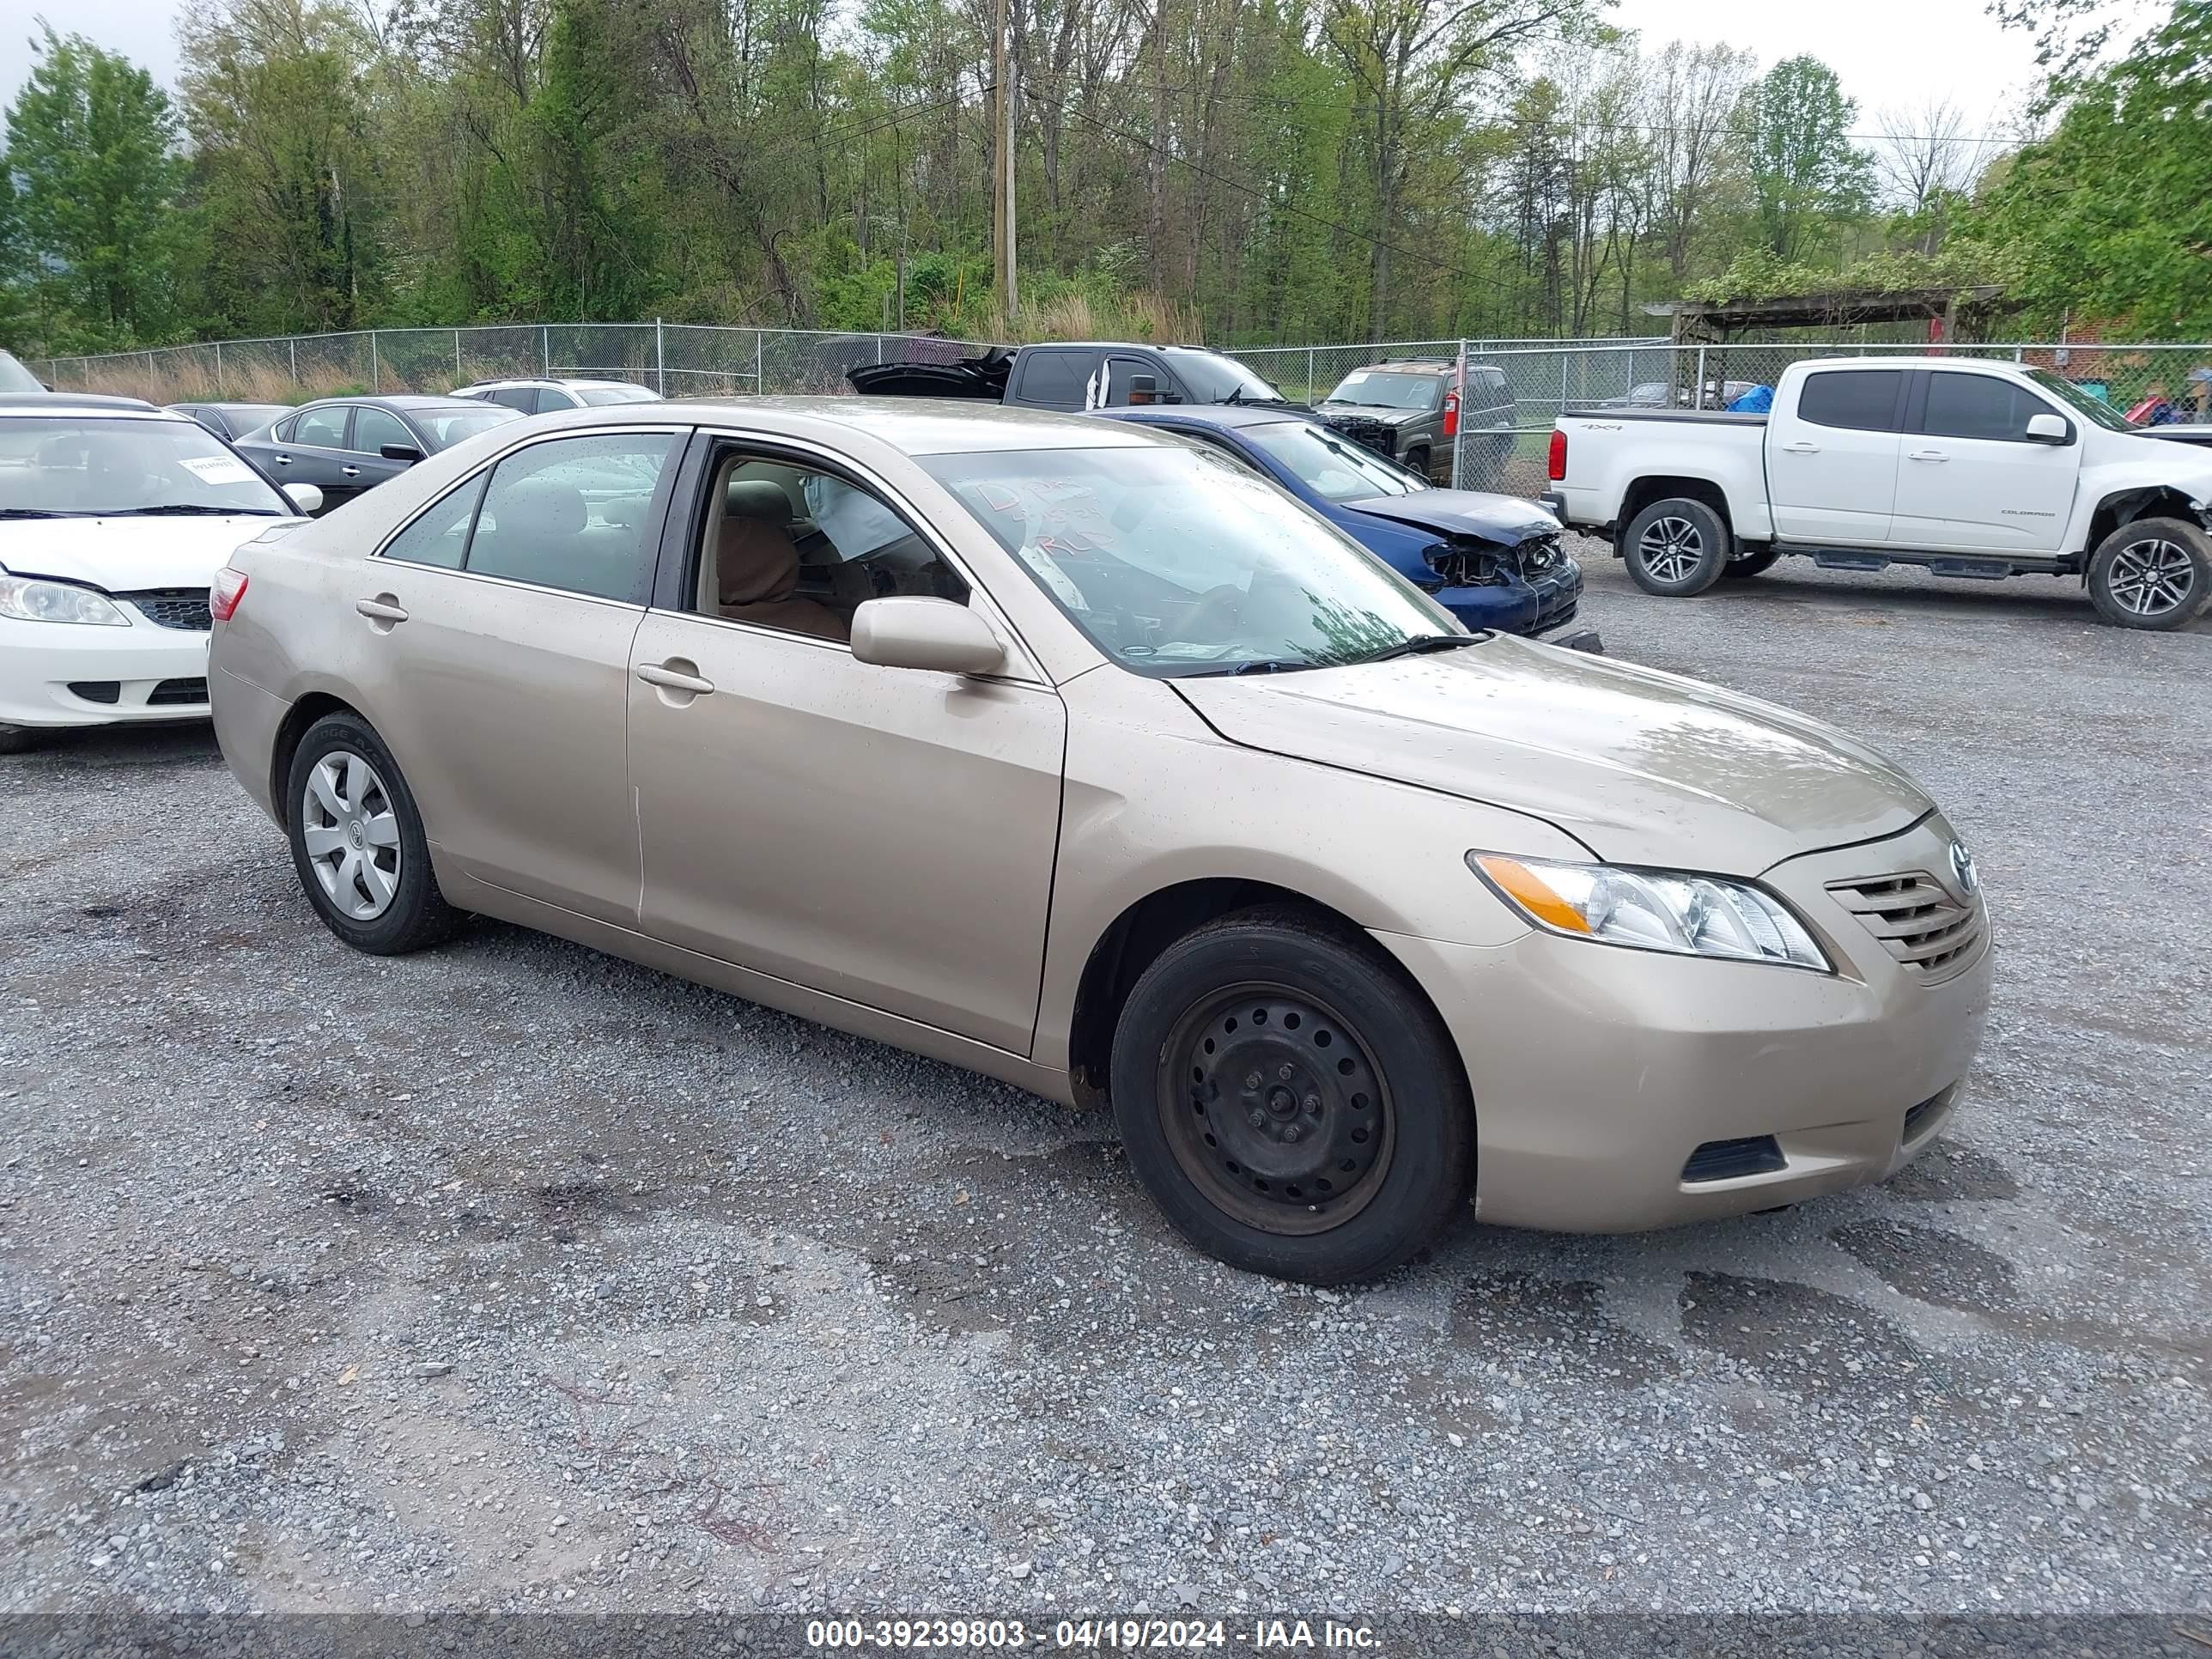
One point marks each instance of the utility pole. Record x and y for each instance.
(1002, 171)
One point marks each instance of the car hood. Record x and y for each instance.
(1463, 512)
(1642, 767)
(126, 555)
(1387, 414)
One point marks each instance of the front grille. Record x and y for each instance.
(171, 692)
(1917, 919)
(1728, 1160)
(1470, 564)
(172, 607)
(1380, 436)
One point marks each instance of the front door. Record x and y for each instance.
(373, 431)
(883, 835)
(496, 657)
(1971, 478)
(1831, 460)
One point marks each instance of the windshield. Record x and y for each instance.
(55, 466)
(1214, 378)
(1373, 389)
(448, 427)
(615, 394)
(1333, 466)
(1175, 561)
(2095, 410)
(14, 378)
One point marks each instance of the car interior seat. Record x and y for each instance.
(756, 564)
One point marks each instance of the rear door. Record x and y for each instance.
(494, 650)
(1832, 457)
(313, 450)
(1970, 477)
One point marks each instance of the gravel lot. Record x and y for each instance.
(510, 1276)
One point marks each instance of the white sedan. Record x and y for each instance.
(114, 517)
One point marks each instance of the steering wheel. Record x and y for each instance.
(1215, 605)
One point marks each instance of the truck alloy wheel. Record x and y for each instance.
(2153, 573)
(1677, 547)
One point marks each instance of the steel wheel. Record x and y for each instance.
(351, 833)
(1671, 548)
(1275, 1109)
(2154, 577)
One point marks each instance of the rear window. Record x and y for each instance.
(1865, 399)
(1055, 379)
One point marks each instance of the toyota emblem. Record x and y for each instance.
(1962, 866)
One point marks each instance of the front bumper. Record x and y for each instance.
(66, 674)
(1550, 601)
(1599, 1073)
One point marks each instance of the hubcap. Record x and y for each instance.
(1275, 1109)
(2151, 578)
(1670, 549)
(351, 833)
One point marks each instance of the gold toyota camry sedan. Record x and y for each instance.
(1071, 752)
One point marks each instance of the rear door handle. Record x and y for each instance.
(350, 472)
(1928, 455)
(283, 460)
(1801, 449)
(381, 609)
(669, 677)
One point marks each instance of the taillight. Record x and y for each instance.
(229, 589)
(1555, 464)
(1452, 414)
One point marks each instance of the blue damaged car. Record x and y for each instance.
(1492, 561)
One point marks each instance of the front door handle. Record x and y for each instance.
(381, 609)
(1801, 449)
(670, 677)
(283, 460)
(350, 472)
(1928, 455)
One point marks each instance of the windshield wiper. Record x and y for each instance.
(188, 509)
(39, 513)
(1257, 665)
(1419, 645)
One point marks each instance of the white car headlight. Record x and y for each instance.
(25, 598)
(1689, 915)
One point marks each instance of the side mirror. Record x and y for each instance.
(936, 635)
(305, 498)
(407, 452)
(2047, 428)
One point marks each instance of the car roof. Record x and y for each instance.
(541, 380)
(417, 402)
(80, 402)
(919, 426)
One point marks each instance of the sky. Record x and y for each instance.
(1890, 54)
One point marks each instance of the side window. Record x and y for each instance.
(324, 427)
(1978, 406)
(795, 547)
(573, 515)
(1863, 399)
(522, 398)
(1055, 379)
(441, 536)
(373, 428)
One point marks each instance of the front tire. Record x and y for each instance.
(15, 739)
(1290, 1100)
(358, 843)
(1677, 548)
(2152, 573)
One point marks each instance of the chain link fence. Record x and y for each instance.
(1500, 445)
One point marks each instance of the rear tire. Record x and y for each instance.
(1749, 564)
(358, 843)
(2151, 573)
(1677, 548)
(1290, 1101)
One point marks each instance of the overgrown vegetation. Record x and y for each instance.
(1244, 170)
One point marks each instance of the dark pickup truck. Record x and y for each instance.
(1076, 375)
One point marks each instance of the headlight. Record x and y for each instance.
(1691, 915)
(29, 600)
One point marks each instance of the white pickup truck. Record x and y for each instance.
(1970, 468)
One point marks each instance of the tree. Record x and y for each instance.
(95, 177)
(1691, 93)
(1805, 175)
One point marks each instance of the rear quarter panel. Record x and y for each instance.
(1607, 453)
